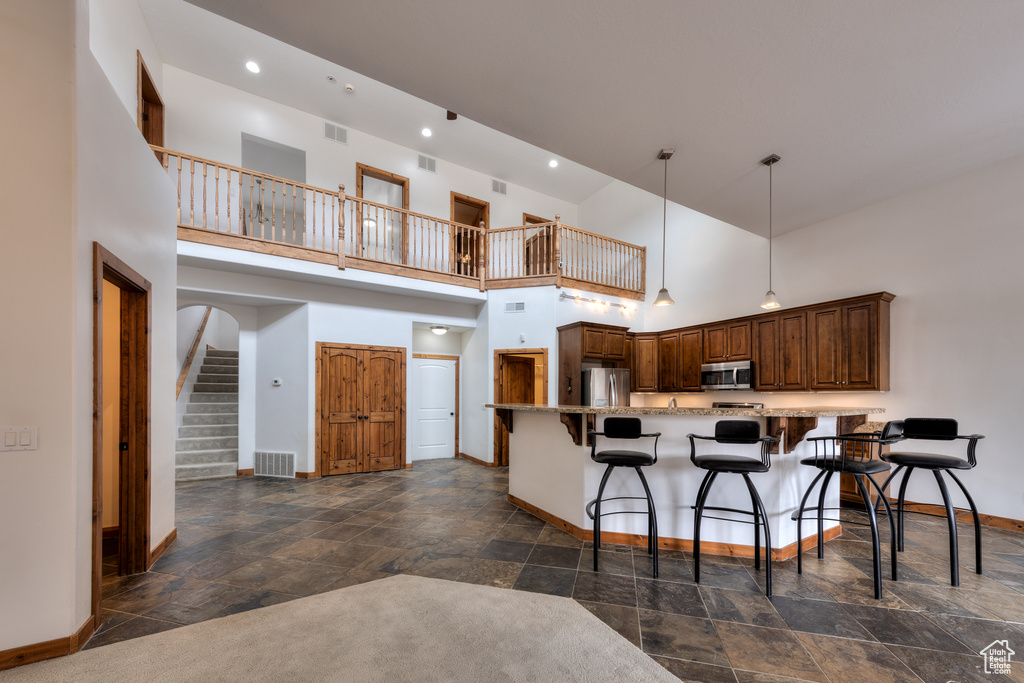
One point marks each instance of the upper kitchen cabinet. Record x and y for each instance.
(578, 342)
(780, 360)
(603, 342)
(727, 342)
(680, 354)
(644, 367)
(848, 344)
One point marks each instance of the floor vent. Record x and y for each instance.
(499, 186)
(333, 131)
(515, 306)
(275, 464)
(428, 164)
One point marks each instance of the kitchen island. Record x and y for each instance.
(552, 476)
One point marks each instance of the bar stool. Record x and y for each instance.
(624, 428)
(857, 455)
(935, 429)
(734, 432)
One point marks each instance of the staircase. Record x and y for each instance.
(207, 444)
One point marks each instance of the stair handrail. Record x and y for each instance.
(192, 352)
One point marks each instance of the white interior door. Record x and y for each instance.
(432, 409)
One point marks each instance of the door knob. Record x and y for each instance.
(451, 413)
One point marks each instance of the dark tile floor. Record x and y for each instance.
(247, 543)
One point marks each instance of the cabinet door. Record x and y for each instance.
(614, 345)
(593, 343)
(716, 344)
(860, 364)
(766, 365)
(342, 423)
(738, 341)
(791, 373)
(691, 355)
(668, 362)
(824, 335)
(645, 372)
(384, 380)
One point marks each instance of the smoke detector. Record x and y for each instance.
(349, 87)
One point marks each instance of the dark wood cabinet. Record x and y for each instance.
(602, 343)
(586, 341)
(848, 345)
(780, 362)
(644, 368)
(727, 342)
(680, 354)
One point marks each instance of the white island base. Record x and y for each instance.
(555, 479)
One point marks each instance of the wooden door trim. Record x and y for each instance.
(466, 199)
(498, 353)
(530, 219)
(318, 399)
(144, 82)
(134, 486)
(441, 356)
(363, 170)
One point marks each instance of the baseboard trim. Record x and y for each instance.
(251, 472)
(478, 461)
(940, 511)
(306, 475)
(640, 540)
(37, 652)
(156, 552)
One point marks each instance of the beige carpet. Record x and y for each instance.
(403, 628)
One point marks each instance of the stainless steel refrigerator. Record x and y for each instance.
(605, 387)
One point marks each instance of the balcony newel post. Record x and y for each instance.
(558, 251)
(481, 256)
(341, 226)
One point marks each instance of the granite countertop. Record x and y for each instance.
(812, 411)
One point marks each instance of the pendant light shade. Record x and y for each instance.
(663, 296)
(770, 301)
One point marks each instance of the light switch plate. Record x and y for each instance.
(19, 438)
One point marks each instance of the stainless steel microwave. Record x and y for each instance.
(734, 375)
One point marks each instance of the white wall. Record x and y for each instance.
(950, 253)
(207, 119)
(116, 31)
(283, 412)
(425, 341)
(188, 321)
(222, 331)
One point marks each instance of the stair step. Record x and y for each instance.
(196, 431)
(227, 362)
(205, 387)
(209, 471)
(206, 369)
(214, 455)
(213, 397)
(221, 353)
(195, 419)
(196, 408)
(205, 443)
(214, 378)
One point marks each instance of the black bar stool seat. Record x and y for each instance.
(858, 455)
(935, 429)
(624, 428)
(736, 432)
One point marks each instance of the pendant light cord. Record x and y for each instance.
(664, 223)
(770, 168)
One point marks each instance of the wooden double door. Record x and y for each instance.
(360, 395)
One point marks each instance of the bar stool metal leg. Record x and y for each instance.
(702, 495)
(652, 524)
(821, 514)
(954, 546)
(899, 505)
(767, 535)
(892, 524)
(876, 546)
(597, 513)
(799, 523)
(977, 521)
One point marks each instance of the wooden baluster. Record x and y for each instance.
(323, 218)
(558, 251)
(480, 240)
(192, 193)
(341, 226)
(227, 199)
(273, 214)
(642, 283)
(179, 190)
(216, 198)
(252, 191)
(204, 195)
(295, 192)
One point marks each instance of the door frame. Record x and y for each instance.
(318, 467)
(364, 170)
(500, 457)
(134, 481)
(441, 356)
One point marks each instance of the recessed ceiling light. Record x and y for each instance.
(426, 132)
(553, 163)
(253, 67)
(332, 80)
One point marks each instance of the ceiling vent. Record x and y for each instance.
(428, 164)
(333, 131)
(499, 186)
(515, 306)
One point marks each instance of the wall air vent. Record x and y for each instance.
(499, 186)
(333, 131)
(269, 464)
(515, 306)
(428, 164)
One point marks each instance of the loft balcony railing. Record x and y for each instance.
(240, 208)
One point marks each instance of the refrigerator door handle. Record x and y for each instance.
(613, 396)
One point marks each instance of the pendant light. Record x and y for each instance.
(663, 297)
(770, 300)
